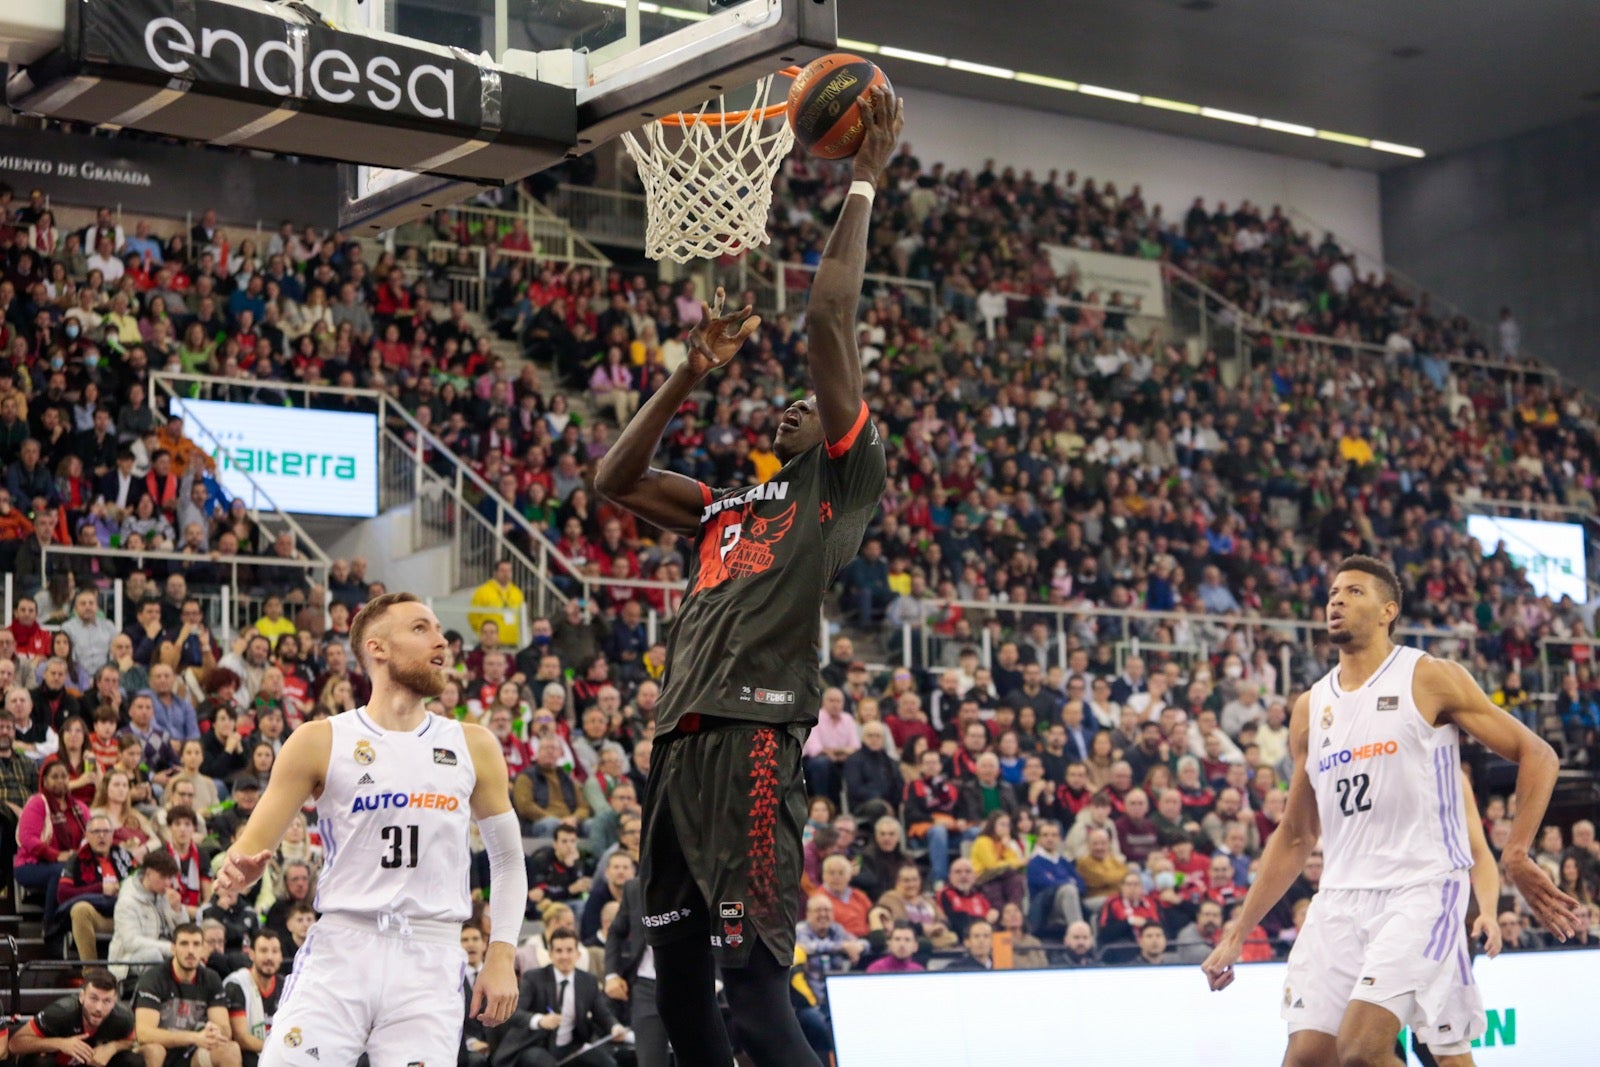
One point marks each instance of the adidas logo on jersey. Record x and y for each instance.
(312, 1052)
(366, 779)
(1299, 1003)
(1326, 743)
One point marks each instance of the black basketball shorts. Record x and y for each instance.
(720, 855)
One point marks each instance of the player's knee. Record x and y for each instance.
(1365, 1053)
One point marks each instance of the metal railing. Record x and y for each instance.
(606, 215)
(1133, 634)
(230, 604)
(789, 285)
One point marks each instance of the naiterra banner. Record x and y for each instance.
(312, 462)
(1137, 281)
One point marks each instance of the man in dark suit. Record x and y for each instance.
(631, 978)
(560, 1009)
(979, 944)
(474, 1050)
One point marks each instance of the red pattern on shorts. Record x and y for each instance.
(763, 857)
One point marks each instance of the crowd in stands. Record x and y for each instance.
(1067, 802)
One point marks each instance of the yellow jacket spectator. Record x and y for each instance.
(499, 602)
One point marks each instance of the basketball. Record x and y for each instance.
(822, 104)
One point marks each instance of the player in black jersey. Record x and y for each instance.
(725, 799)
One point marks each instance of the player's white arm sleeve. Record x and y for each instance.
(508, 878)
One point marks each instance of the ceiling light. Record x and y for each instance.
(982, 68)
(1229, 116)
(915, 57)
(684, 14)
(1345, 138)
(1288, 127)
(1109, 94)
(1048, 83)
(1397, 149)
(858, 46)
(1170, 105)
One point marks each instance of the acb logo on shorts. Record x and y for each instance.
(292, 1038)
(364, 753)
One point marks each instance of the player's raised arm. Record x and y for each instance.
(297, 775)
(836, 292)
(1447, 693)
(1282, 859)
(624, 474)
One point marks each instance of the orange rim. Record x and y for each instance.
(729, 118)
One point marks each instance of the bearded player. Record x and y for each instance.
(394, 787)
(725, 799)
(1376, 750)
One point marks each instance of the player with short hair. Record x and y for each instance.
(1376, 753)
(394, 786)
(725, 798)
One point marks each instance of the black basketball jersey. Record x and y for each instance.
(745, 644)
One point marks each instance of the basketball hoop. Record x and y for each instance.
(708, 175)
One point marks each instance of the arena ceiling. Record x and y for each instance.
(1439, 75)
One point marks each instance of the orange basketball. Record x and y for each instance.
(822, 104)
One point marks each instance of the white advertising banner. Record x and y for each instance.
(312, 462)
(1137, 280)
(1551, 553)
(1540, 1008)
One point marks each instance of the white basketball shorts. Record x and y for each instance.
(1403, 949)
(393, 992)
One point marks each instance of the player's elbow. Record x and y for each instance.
(1538, 753)
(609, 481)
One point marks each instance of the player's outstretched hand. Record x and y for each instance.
(719, 336)
(1555, 911)
(494, 994)
(1219, 965)
(1487, 928)
(239, 873)
(883, 115)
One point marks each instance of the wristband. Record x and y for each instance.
(866, 189)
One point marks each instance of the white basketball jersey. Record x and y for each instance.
(395, 816)
(1387, 784)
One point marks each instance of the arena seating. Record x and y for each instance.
(1070, 494)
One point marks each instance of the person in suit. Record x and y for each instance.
(631, 978)
(559, 1010)
(474, 1035)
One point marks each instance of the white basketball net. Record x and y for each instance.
(708, 186)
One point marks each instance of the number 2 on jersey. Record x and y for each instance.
(1353, 794)
(402, 846)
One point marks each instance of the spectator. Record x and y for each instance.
(182, 1007)
(559, 871)
(474, 1050)
(239, 919)
(850, 905)
(1514, 935)
(1196, 940)
(963, 901)
(50, 829)
(999, 862)
(871, 775)
(499, 601)
(1123, 918)
(174, 715)
(299, 887)
(301, 917)
(830, 743)
(546, 796)
(1100, 870)
(87, 1027)
(89, 885)
(619, 869)
(979, 943)
(905, 901)
(91, 633)
(1081, 950)
(827, 944)
(253, 995)
(902, 948)
(1054, 887)
(32, 734)
(1152, 946)
(559, 1010)
(18, 781)
(986, 793)
(147, 917)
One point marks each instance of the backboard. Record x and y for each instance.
(426, 100)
